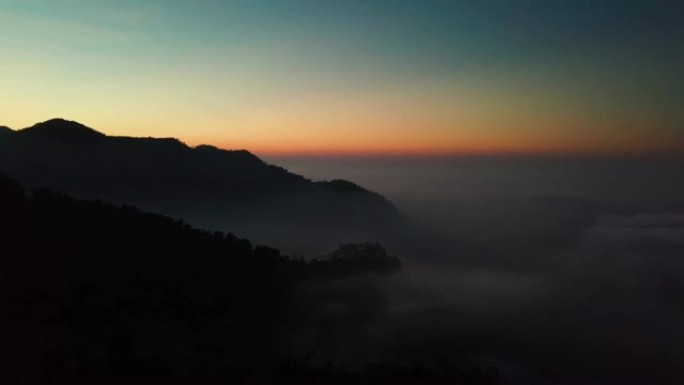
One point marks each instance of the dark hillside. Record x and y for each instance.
(213, 188)
(94, 291)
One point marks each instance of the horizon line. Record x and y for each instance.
(537, 149)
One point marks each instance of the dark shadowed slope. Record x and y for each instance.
(4, 130)
(217, 189)
(92, 292)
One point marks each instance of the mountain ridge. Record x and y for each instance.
(217, 189)
(59, 128)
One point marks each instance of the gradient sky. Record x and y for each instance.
(353, 76)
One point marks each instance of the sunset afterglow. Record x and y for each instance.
(351, 77)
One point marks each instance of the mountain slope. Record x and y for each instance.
(94, 292)
(213, 188)
(61, 129)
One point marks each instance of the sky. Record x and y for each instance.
(353, 77)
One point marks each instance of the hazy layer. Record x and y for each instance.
(584, 285)
(502, 196)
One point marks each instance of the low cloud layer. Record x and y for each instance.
(605, 307)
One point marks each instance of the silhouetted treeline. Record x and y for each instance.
(92, 291)
(350, 259)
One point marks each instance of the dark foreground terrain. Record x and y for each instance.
(96, 292)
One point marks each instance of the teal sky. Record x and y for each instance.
(353, 76)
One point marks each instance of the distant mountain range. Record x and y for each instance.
(227, 190)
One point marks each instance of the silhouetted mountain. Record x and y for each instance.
(4, 130)
(95, 292)
(216, 189)
(92, 290)
(61, 130)
(350, 188)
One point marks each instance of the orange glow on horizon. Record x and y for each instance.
(521, 147)
(402, 138)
